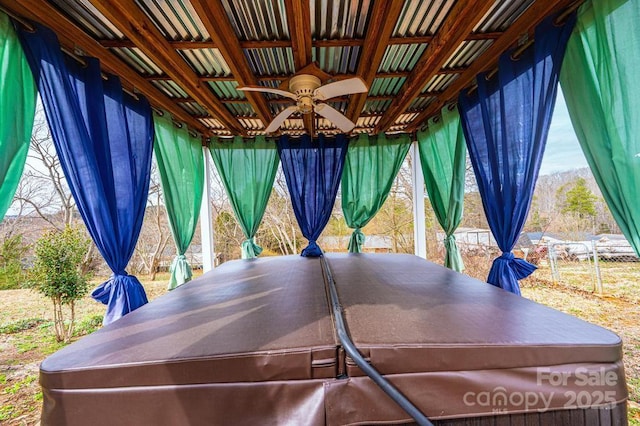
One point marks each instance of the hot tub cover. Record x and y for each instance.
(449, 341)
(253, 342)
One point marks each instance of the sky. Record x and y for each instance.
(563, 151)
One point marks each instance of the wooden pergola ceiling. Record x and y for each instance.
(414, 55)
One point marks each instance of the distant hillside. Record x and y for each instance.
(548, 210)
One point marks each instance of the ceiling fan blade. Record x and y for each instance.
(340, 88)
(279, 119)
(268, 90)
(335, 116)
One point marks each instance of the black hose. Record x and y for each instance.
(352, 351)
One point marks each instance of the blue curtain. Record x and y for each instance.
(312, 169)
(104, 139)
(505, 123)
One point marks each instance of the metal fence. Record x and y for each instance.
(602, 267)
(578, 263)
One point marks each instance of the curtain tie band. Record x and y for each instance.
(250, 249)
(312, 250)
(356, 241)
(449, 239)
(180, 272)
(507, 256)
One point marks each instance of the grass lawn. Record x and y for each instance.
(617, 309)
(26, 335)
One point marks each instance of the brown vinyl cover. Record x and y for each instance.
(211, 346)
(446, 339)
(253, 342)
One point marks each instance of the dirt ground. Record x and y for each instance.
(26, 337)
(617, 314)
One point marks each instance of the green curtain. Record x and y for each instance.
(443, 157)
(371, 165)
(181, 165)
(600, 82)
(17, 109)
(247, 168)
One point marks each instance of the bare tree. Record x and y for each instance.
(43, 190)
(470, 182)
(155, 233)
(395, 218)
(279, 224)
(228, 235)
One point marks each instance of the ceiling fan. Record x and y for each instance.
(308, 92)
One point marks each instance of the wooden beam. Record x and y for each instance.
(189, 45)
(214, 17)
(138, 27)
(396, 74)
(429, 39)
(222, 77)
(270, 44)
(460, 21)
(261, 44)
(338, 42)
(525, 23)
(71, 36)
(382, 22)
(299, 24)
(484, 36)
(287, 101)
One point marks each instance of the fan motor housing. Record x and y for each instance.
(303, 86)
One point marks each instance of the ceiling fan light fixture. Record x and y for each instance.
(305, 104)
(304, 86)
